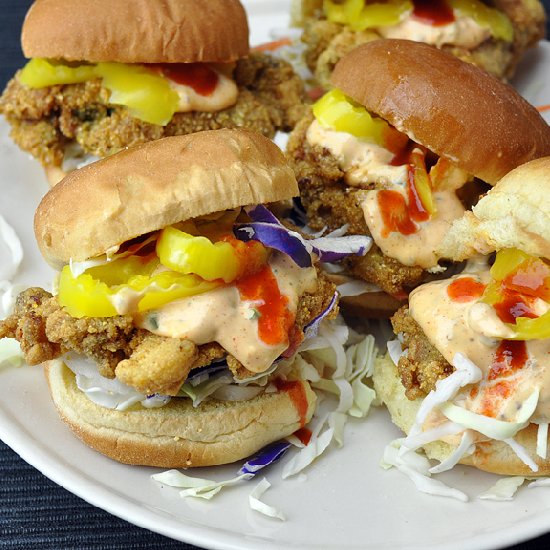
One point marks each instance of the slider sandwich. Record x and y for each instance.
(110, 74)
(493, 35)
(471, 383)
(398, 150)
(181, 301)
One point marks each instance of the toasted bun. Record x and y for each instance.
(514, 214)
(451, 107)
(146, 188)
(491, 456)
(137, 31)
(176, 435)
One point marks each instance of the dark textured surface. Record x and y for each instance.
(34, 511)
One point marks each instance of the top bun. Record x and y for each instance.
(162, 182)
(136, 31)
(453, 108)
(514, 214)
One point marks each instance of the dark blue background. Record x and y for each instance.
(35, 512)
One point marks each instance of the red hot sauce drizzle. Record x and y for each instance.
(514, 305)
(433, 12)
(304, 435)
(465, 289)
(275, 320)
(494, 395)
(395, 213)
(510, 356)
(398, 215)
(297, 394)
(198, 76)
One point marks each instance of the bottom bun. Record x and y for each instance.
(491, 456)
(178, 435)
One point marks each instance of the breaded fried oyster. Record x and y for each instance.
(396, 153)
(124, 73)
(491, 34)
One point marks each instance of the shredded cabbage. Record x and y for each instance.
(8, 295)
(10, 241)
(262, 507)
(522, 454)
(308, 454)
(395, 350)
(495, 429)
(503, 489)
(542, 439)
(542, 482)
(356, 288)
(417, 468)
(414, 442)
(466, 445)
(466, 373)
(11, 253)
(196, 487)
(10, 353)
(265, 457)
(106, 392)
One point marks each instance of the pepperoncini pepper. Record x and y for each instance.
(147, 94)
(520, 279)
(360, 16)
(337, 111)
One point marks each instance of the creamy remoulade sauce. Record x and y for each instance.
(366, 163)
(455, 321)
(203, 87)
(221, 316)
(464, 32)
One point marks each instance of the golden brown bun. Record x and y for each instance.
(176, 435)
(146, 188)
(514, 214)
(137, 31)
(451, 107)
(491, 456)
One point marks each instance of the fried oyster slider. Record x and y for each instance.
(472, 382)
(109, 74)
(399, 149)
(493, 35)
(168, 297)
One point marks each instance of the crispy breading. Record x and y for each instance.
(330, 203)
(271, 97)
(388, 273)
(158, 365)
(312, 304)
(28, 325)
(423, 365)
(107, 340)
(328, 42)
(147, 362)
(339, 46)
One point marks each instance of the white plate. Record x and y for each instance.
(346, 501)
